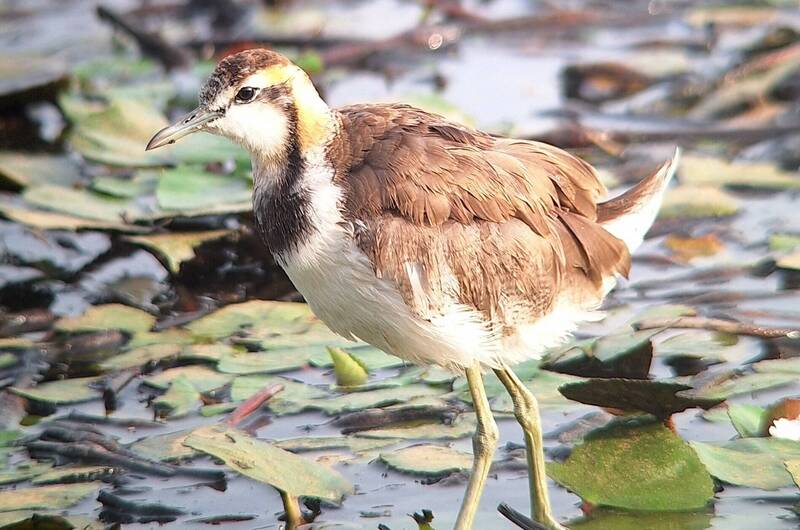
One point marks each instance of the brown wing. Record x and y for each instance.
(489, 222)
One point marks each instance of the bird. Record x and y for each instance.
(431, 240)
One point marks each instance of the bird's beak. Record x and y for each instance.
(192, 122)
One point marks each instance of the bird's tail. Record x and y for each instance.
(629, 216)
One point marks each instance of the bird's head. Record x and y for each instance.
(259, 99)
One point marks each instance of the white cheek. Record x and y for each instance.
(259, 127)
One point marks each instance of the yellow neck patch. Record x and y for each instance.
(314, 120)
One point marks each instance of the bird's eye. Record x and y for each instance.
(245, 94)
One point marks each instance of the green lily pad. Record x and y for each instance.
(372, 358)
(697, 202)
(625, 355)
(24, 214)
(23, 471)
(636, 466)
(28, 169)
(143, 183)
(784, 242)
(176, 248)
(181, 398)
(698, 344)
(167, 447)
(733, 384)
(268, 463)
(428, 460)
(659, 398)
(168, 336)
(348, 369)
(748, 420)
(7, 360)
(752, 462)
(188, 188)
(55, 497)
(793, 467)
(787, 366)
(116, 132)
(710, 171)
(202, 378)
(108, 316)
(601, 519)
(62, 392)
(323, 443)
(463, 426)
(294, 397)
(36, 520)
(372, 398)
(84, 204)
(141, 356)
(73, 474)
(273, 317)
(263, 362)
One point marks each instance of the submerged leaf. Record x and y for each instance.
(268, 463)
(636, 466)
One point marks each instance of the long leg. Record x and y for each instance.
(526, 410)
(484, 444)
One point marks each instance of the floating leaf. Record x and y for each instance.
(167, 447)
(732, 384)
(20, 212)
(141, 356)
(372, 358)
(659, 398)
(688, 248)
(62, 392)
(202, 378)
(143, 183)
(322, 443)
(636, 466)
(83, 203)
(273, 317)
(372, 398)
(268, 463)
(187, 188)
(177, 248)
(696, 202)
(784, 242)
(748, 420)
(180, 399)
(709, 171)
(23, 471)
(793, 467)
(752, 462)
(292, 399)
(28, 169)
(626, 355)
(463, 426)
(263, 362)
(55, 497)
(109, 316)
(348, 369)
(790, 262)
(73, 474)
(601, 519)
(428, 460)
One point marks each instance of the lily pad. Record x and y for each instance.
(268, 463)
(23, 471)
(141, 356)
(428, 460)
(752, 462)
(732, 384)
(372, 398)
(372, 358)
(322, 443)
(292, 399)
(177, 248)
(263, 362)
(601, 519)
(83, 204)
(202, 378)
(76, 390)
(748, 420)
(659, 398)
(709, 171)
(187, 188)
(167, 447)
(28, 169)
(697, 202)
(45, 220)
(55, 497)
(273, 317)
(109, 316)
(636, 466)
(626, 355)
(463, 426)
(73, 474)
(181, 398)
